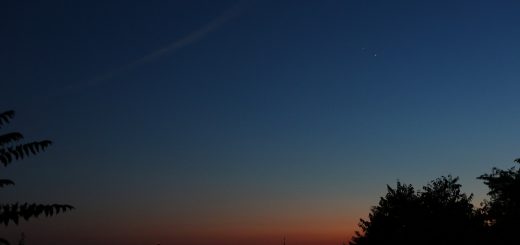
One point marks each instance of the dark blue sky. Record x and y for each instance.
(206, 111)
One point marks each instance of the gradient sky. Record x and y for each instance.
(239, 122)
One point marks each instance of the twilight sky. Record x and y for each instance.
(232, 122)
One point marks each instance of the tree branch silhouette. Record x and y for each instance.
(11, 149)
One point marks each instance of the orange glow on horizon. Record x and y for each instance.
(305, 238)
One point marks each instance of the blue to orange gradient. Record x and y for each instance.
(244, 122)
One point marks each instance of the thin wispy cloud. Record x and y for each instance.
(192, 37)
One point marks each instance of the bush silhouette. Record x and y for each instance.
(12, 150)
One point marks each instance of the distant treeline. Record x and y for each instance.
(441, 214)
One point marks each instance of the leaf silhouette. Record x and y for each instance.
(10, 137)
(5, 117)
(19, 152)
(4, 242)
(13, 212)
(5, 182)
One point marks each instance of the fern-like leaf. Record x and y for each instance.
(19, 152)
(14, 212)
(5, 182)
(5, 117)
(10, 137)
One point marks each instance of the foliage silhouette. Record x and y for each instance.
(12, 150)
(503, 208)
(438, 214)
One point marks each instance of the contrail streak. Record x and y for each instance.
(190, 38)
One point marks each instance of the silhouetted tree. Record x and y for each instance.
(12, 150)
(503, 208)
(450, 216)
(389, 222)
(438, 214)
